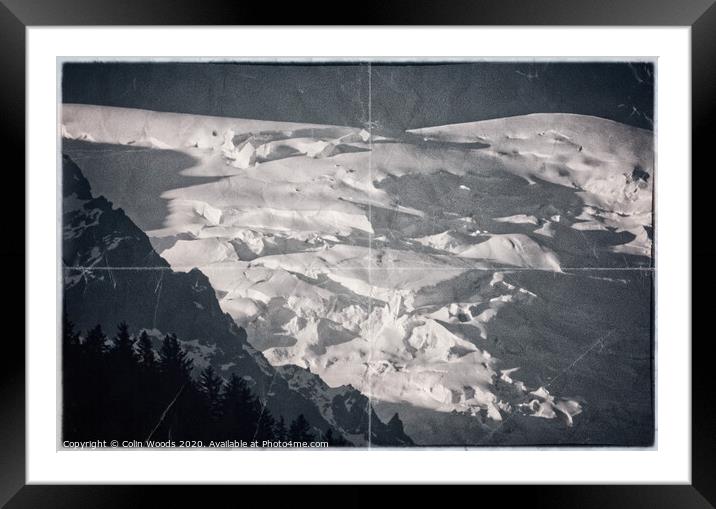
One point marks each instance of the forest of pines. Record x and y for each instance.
(122, 389)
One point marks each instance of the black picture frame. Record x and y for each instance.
(16, 15)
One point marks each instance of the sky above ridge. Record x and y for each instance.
(392, 95)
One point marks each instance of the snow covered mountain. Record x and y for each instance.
(485, 280)
(112, 274)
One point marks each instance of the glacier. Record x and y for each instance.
(453, 271)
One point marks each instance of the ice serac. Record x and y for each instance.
(611, 165)
(516, 250)
(112, 274)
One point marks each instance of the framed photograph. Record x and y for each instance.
(399, 254)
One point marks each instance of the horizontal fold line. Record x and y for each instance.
(373, 267)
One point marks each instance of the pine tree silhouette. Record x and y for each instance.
(178, 390)
(95, 342)
(96, 406)
(123, 347)
(147, 358)
(71, 377)
(121, 365)
(265, 425)
(300, 430)
(211, 385)
(240, 410)
(70, 338)
(174, 364)
(148, 377)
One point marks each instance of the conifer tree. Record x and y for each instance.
(173, 361)
(123, 347)
(241, 411)
(121, 374)
(70, 350)
(72, 376)
(70, 338)
(146, 355)
(300, 430)
(177, 392)
(94, 344)
(148, 396)
(265, 426)
(92, 386)
(211, 385)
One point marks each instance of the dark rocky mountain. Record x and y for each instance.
(112, 274)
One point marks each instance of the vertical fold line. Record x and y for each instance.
(370, 259)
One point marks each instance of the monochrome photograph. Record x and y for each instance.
(370, 253)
